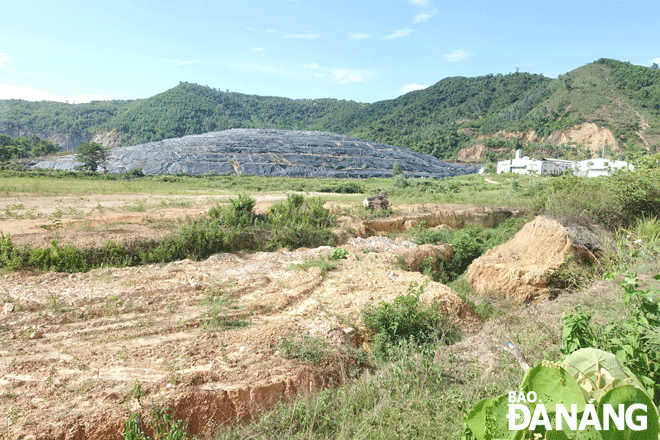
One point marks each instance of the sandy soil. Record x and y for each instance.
(199, 337)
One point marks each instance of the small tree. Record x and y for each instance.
(92, 155)
(396, 169)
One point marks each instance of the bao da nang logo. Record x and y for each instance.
(633, 417)
(589, 396)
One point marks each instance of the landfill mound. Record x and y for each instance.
(279, 153)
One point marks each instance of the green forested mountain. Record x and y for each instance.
(439, 120)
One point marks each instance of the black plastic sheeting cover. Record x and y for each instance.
(271, 153)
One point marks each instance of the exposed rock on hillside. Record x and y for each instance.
(273, 153)
(519, 268)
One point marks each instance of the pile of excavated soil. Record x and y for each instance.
(519, 268)
(272, 153)
(198, 337)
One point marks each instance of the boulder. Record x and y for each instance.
(519, 268)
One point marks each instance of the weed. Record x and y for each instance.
(135, 392)
(306, 348)
(634, 338)
(161, 425)
(339, 254)
(13, 414)
(405, 320)
(222, 311)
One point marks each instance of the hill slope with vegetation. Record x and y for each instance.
(452, 114)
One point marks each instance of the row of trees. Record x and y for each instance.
(21, 147)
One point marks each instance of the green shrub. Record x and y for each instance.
(237, 213)
(400, 181)
(586, 377)
(634, 339)
(405, 320)
(616, 201)
(343, 188)
(306, 348)
(339, 254)
(296, 223)
(162, 425)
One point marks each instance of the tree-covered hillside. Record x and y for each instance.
(439, 120)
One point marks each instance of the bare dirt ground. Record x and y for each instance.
(80, 352)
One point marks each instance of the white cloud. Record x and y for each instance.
(419, 2)
(458, 55)
(257, 49)
(30, 94)
(655, 60)
(5, 60)
(406, 88)
(309, 35)
(178, 62)
(423, 17)
(348, 76)
(400, 33)
(359, 36)
(342, 75)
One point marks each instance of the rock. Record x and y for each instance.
(36, 335)
(377, 202)
(8, 308)
(519, 268)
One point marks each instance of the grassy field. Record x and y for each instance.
(473, 189)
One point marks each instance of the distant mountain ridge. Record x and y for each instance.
(496, 111)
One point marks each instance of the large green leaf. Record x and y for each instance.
(488, 421)
(628, 395)
(597, 371)
(553, 385)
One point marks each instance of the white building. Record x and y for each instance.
(584, 168)
(525, 165)
(600, 167)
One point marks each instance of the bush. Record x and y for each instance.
(343, 188)
(467, 243)
(400, 181)
(634, 339)
(405, 320)
(237, 213)
(615, 201)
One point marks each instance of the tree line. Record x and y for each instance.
(22, 147)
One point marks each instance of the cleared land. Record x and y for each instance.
(199, 337)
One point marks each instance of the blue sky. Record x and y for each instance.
(361, 50)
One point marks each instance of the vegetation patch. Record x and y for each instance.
(292, 223)
(407, 321)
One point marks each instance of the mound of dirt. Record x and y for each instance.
(520, 267)
(199, 337)
(454, 217)
(272, 153)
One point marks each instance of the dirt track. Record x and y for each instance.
(199, 337)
